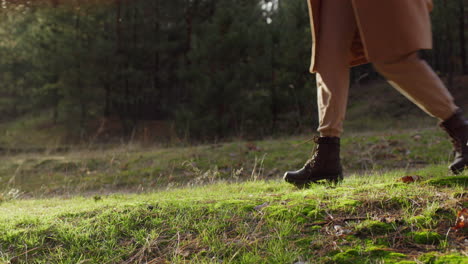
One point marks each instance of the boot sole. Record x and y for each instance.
(458, 167)
(457, 171)
(333, 178)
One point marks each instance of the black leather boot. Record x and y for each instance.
(457, 128)
(324, 165)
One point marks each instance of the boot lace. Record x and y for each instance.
(311, 162)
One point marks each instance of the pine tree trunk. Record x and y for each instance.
(462, 31)
(156, 59)
(79, 82)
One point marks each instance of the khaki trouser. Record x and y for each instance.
(408, 74)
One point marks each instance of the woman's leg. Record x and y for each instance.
(418, 82)
(412, 77)
(337, 29)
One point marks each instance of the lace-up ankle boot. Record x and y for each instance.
(324, 165)
(457, 128)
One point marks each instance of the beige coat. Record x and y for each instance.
(387, 29)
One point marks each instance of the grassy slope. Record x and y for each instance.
(246, 214)
(372, 219)
(218, 222)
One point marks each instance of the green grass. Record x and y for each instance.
(373, 219)
(226, 203)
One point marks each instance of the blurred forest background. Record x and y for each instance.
(197, 70)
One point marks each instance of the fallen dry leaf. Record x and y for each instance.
(462, 219)
(410, 178)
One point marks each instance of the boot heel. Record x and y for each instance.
(335, 179)
(457, 129)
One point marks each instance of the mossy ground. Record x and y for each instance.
(250, 222)
(226, 203)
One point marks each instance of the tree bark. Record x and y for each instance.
(462, 31)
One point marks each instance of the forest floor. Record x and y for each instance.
(226, 203)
